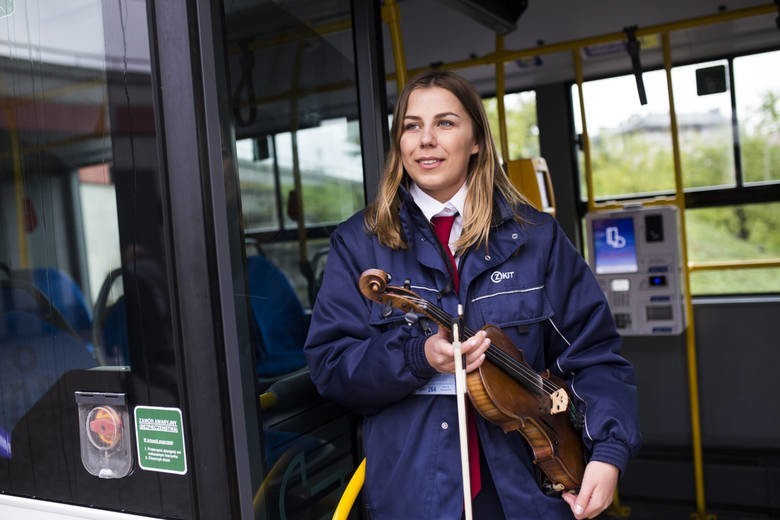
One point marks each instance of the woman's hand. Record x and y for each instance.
(440, 352)
(597, 490)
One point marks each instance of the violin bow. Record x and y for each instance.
(460, 394)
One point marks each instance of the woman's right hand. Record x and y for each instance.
(440, 352)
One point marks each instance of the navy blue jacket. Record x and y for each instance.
(532, 283)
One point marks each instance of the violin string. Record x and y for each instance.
(511, 364)
(497, 355)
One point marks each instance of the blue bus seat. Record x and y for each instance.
(279, 316)
(64, 294)
(5, 444)
(21, 295)
(16, 296)
(34, 354)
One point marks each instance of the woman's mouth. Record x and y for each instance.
(429, 163)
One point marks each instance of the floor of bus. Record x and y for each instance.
(646, 510)
(739, 483)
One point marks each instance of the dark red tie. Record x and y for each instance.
(442, 226)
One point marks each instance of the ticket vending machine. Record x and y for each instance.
(635, 255)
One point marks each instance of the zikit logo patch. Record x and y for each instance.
(498, 276)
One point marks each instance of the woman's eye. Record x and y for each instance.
(411, 126)
(445, 122)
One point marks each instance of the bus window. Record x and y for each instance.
(85, 304)
(630, 143)
(522, 130)
(331, 170)
(299, 167)
(639, 141)
(704, 125)
(261, 195)
(731, 233)
(99, 215)
(758, 106)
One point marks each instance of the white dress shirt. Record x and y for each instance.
(433, 208)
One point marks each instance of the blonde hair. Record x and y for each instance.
(485, 172)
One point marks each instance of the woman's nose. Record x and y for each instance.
(427, 138)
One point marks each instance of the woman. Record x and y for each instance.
(515, 269)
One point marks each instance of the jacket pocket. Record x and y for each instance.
(521, 313)
(518, 306)
(385, 317)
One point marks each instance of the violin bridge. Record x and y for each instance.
(559, 401)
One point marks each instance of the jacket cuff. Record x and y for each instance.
(613, 452)
(414, 351)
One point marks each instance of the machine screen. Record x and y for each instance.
(614, 245)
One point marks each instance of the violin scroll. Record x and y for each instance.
(373, 283)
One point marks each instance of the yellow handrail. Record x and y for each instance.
(351, 492)
(19, 194)
(585, 139)
(392, 17)
(500, 93)
(762, 263)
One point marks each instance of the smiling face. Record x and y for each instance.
(437, 141)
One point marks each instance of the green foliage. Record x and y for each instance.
(326, 200)
(331, 200)
(747, 232)
(760, 141)
(631, 163)
(522, 129)
(736, 281)
(707, 160)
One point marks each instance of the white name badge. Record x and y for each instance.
(440, 384)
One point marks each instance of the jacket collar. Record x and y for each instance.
(432, 207)
(412, 217)
(506, 237)
(502, 210)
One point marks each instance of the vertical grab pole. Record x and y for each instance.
(16, 155)
(392, 17)
(585, 140)
(500, 93)
(304, 265)
(693, 377)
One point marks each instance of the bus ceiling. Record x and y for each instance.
(535, 41)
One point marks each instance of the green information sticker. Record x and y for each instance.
(159, 437)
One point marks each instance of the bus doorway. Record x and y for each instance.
(114, 391)
(147, 263)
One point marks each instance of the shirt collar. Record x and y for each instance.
(432, 207)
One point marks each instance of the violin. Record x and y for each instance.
(506, 390)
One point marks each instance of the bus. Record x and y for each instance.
(171, 171)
